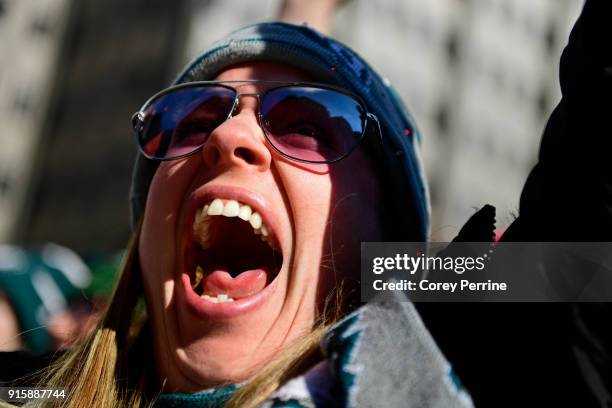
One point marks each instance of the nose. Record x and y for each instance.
(238, 141)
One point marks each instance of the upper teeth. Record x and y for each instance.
(229, 208)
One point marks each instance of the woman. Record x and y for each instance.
(246, 330)
(251, 196)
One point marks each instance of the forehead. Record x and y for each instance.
(267, 71)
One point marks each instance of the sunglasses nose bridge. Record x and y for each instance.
(237, 102)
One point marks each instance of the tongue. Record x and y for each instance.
(246, 284)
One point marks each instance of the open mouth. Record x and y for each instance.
(233, 255)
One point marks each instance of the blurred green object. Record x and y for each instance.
(40, 284)
(43, 283)
(104, 271)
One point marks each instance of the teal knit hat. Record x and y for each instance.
(326, 60)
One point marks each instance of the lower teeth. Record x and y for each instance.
(218, 298)
(221, 298)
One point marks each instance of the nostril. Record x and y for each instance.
(245, 154)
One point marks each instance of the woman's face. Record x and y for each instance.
(315, 217)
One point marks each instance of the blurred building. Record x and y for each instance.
(72, 74)
(481, 77)
(509, 86)
(31, 33)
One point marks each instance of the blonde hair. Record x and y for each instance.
(97, 371)
(111, 367)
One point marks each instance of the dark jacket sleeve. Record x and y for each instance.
(568, 195)
(553, 354)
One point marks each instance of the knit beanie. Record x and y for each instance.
(328, 61)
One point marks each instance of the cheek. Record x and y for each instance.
(355, 216)
(336, 208)
(158, 238)
(363, 185)
(310, 197)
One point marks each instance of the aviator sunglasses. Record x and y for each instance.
(305, 122)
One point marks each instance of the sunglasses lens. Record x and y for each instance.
(179, 122)
(312, 124)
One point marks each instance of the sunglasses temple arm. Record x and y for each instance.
(374, 118)
(137, 121)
